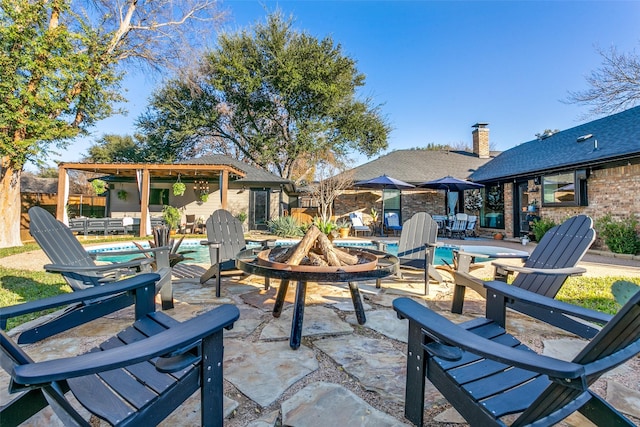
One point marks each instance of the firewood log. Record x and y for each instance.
(327, 249)
(345, 257)
(317, 259)
(304, 245)
(283, 255)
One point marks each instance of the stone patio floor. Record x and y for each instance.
(343, 373)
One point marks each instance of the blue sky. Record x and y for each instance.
(439, 67)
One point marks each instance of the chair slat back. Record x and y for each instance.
(356, 219)
(224, 228)
(617, 342)
(561, 247)
(416, 232)
(58, 242)
(391, 219)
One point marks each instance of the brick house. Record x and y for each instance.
(415, 166)
(591, 169)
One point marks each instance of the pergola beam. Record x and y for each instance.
(149, 171)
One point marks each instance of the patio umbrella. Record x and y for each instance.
(383, 182)
(450, 184)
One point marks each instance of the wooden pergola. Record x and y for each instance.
(144, 173)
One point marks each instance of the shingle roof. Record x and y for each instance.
(417, 166)
(32, 184)
(617, 136)
(254, 174)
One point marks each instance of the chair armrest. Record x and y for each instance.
(448, 333)
(182, 336)
(133, 251)
(58, 268)
(211, 243)
(523, 296)
(472, 254)
(435, 245)
(571, 271)
(95, 292)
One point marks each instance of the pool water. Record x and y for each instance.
(200, 254)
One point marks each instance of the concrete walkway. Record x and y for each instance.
(343, 373)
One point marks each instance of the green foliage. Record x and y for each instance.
(99, 186)
(116, 148)
(541, 226)
(242, 216)
(122, 195)
(269, 95)
(179, 188)
(620, 236)
(325, 226)
(171, 216)
(594, 293)
(18, 286)
(374, 214)
(343, 223)
(56, 79)
(285, 226)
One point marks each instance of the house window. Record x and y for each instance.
(392, 202)
(564, 189)
(159, 196)
(492, 211)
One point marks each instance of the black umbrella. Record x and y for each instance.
(383, 182)
(450, 183)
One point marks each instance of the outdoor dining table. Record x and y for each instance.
(249, 262)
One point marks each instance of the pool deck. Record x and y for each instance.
(343, 373)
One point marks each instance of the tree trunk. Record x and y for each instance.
(10, 203)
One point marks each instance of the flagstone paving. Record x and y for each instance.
(342, 374)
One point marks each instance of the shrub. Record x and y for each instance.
(620, 237)
(541, 226)
(285, 226)
(325, 226)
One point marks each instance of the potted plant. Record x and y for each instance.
(374, 216)
(533, 206)
(204, 197)
(343, 228)
(171, 216)
(179, 188)
(122, 195)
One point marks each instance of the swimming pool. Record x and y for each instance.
(201, 253)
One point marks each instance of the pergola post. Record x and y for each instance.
(144, 203)
(224, 188)
(63, 195)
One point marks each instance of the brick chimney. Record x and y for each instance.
(480, 135)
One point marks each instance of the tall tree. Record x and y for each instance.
(614, 87)
(270, 95)
(111, 148)
(61, 64)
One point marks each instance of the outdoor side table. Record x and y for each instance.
(466, 255)
(247, 261)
